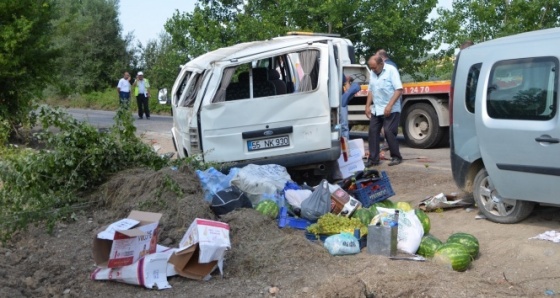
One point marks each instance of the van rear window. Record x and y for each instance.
(523, 89)
(472, 82)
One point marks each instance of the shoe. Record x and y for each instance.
(371, 163)
(395, 161)
(148, 118)
(140, 118)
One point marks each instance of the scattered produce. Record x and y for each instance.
(424, 219)
(453, 255)
(469, 241)
(364, 215)
(329, 224)
(268, 208)
(428, 246)
(404, 206)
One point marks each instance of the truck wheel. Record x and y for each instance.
(420, 126)
(493, 206)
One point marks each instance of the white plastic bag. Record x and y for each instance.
(410, 228)
(296, 196)
(257, 180)
(213, 181)
(342, 244)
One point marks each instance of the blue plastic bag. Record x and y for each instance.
(342, 244)
(213, 181)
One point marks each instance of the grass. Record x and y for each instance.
(106, 100)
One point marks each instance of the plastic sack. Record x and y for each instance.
(256, 180)
(229, 199)
(296, 197)
(342, 244)
(318, 204)
(213, 181)
(410, 228)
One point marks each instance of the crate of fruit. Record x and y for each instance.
(371, 191)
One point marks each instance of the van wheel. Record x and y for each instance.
(495, 207)
(420, 126)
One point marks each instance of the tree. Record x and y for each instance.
(399, 26)
(484, 20)
(162, 61)
(25, 55)
(94, 55)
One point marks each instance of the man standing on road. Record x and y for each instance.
(123, 89)
(141, 91)
(383, 108)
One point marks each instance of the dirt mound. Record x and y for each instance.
(176, 194)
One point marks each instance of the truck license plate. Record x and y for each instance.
(281, 141)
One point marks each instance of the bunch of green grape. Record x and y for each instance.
(334, 224)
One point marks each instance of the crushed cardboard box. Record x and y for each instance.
(126, 241)
(150, 271)
(202, 249)
(355, 161)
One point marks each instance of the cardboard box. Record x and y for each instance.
(202, 249)
(354, 163)
(151, 271)
(123, 243)
(343, 204)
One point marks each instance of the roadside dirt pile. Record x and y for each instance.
(265, 259)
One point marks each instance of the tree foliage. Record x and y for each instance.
(161, 61)
(25, 55)
(399, 26)
(484, 20)
(88, 33)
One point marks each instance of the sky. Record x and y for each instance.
(145, 18)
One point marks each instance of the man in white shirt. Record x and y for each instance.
(123, 89)
(383, 107)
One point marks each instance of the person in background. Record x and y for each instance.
(385, 88)
(383, 54)
(349, 89)
(123, 89)
(142, 93)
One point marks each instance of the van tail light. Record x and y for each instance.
(451, 89)
(344, 147)
(194, 140)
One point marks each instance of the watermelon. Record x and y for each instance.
(424, 219)
(404, 206)
(469, 241)
(268, 208)
(373, 210)
(428, 246)
(364, 215)
(386, 204)
(453, 255)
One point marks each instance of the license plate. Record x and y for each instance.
(281, 141)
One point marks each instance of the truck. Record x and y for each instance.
(424, 116)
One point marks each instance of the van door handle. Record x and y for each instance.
(547, 139)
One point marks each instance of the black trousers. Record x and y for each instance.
(143, 106)
(391, 127)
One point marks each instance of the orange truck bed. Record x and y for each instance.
(415, 88)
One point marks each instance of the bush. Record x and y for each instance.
(45, 185)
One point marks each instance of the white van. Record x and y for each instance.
(505, 132)
(274, 101)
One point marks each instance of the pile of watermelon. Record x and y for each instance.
(457, 252)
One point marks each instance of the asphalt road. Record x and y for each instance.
(103, 119)
(437, 158)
